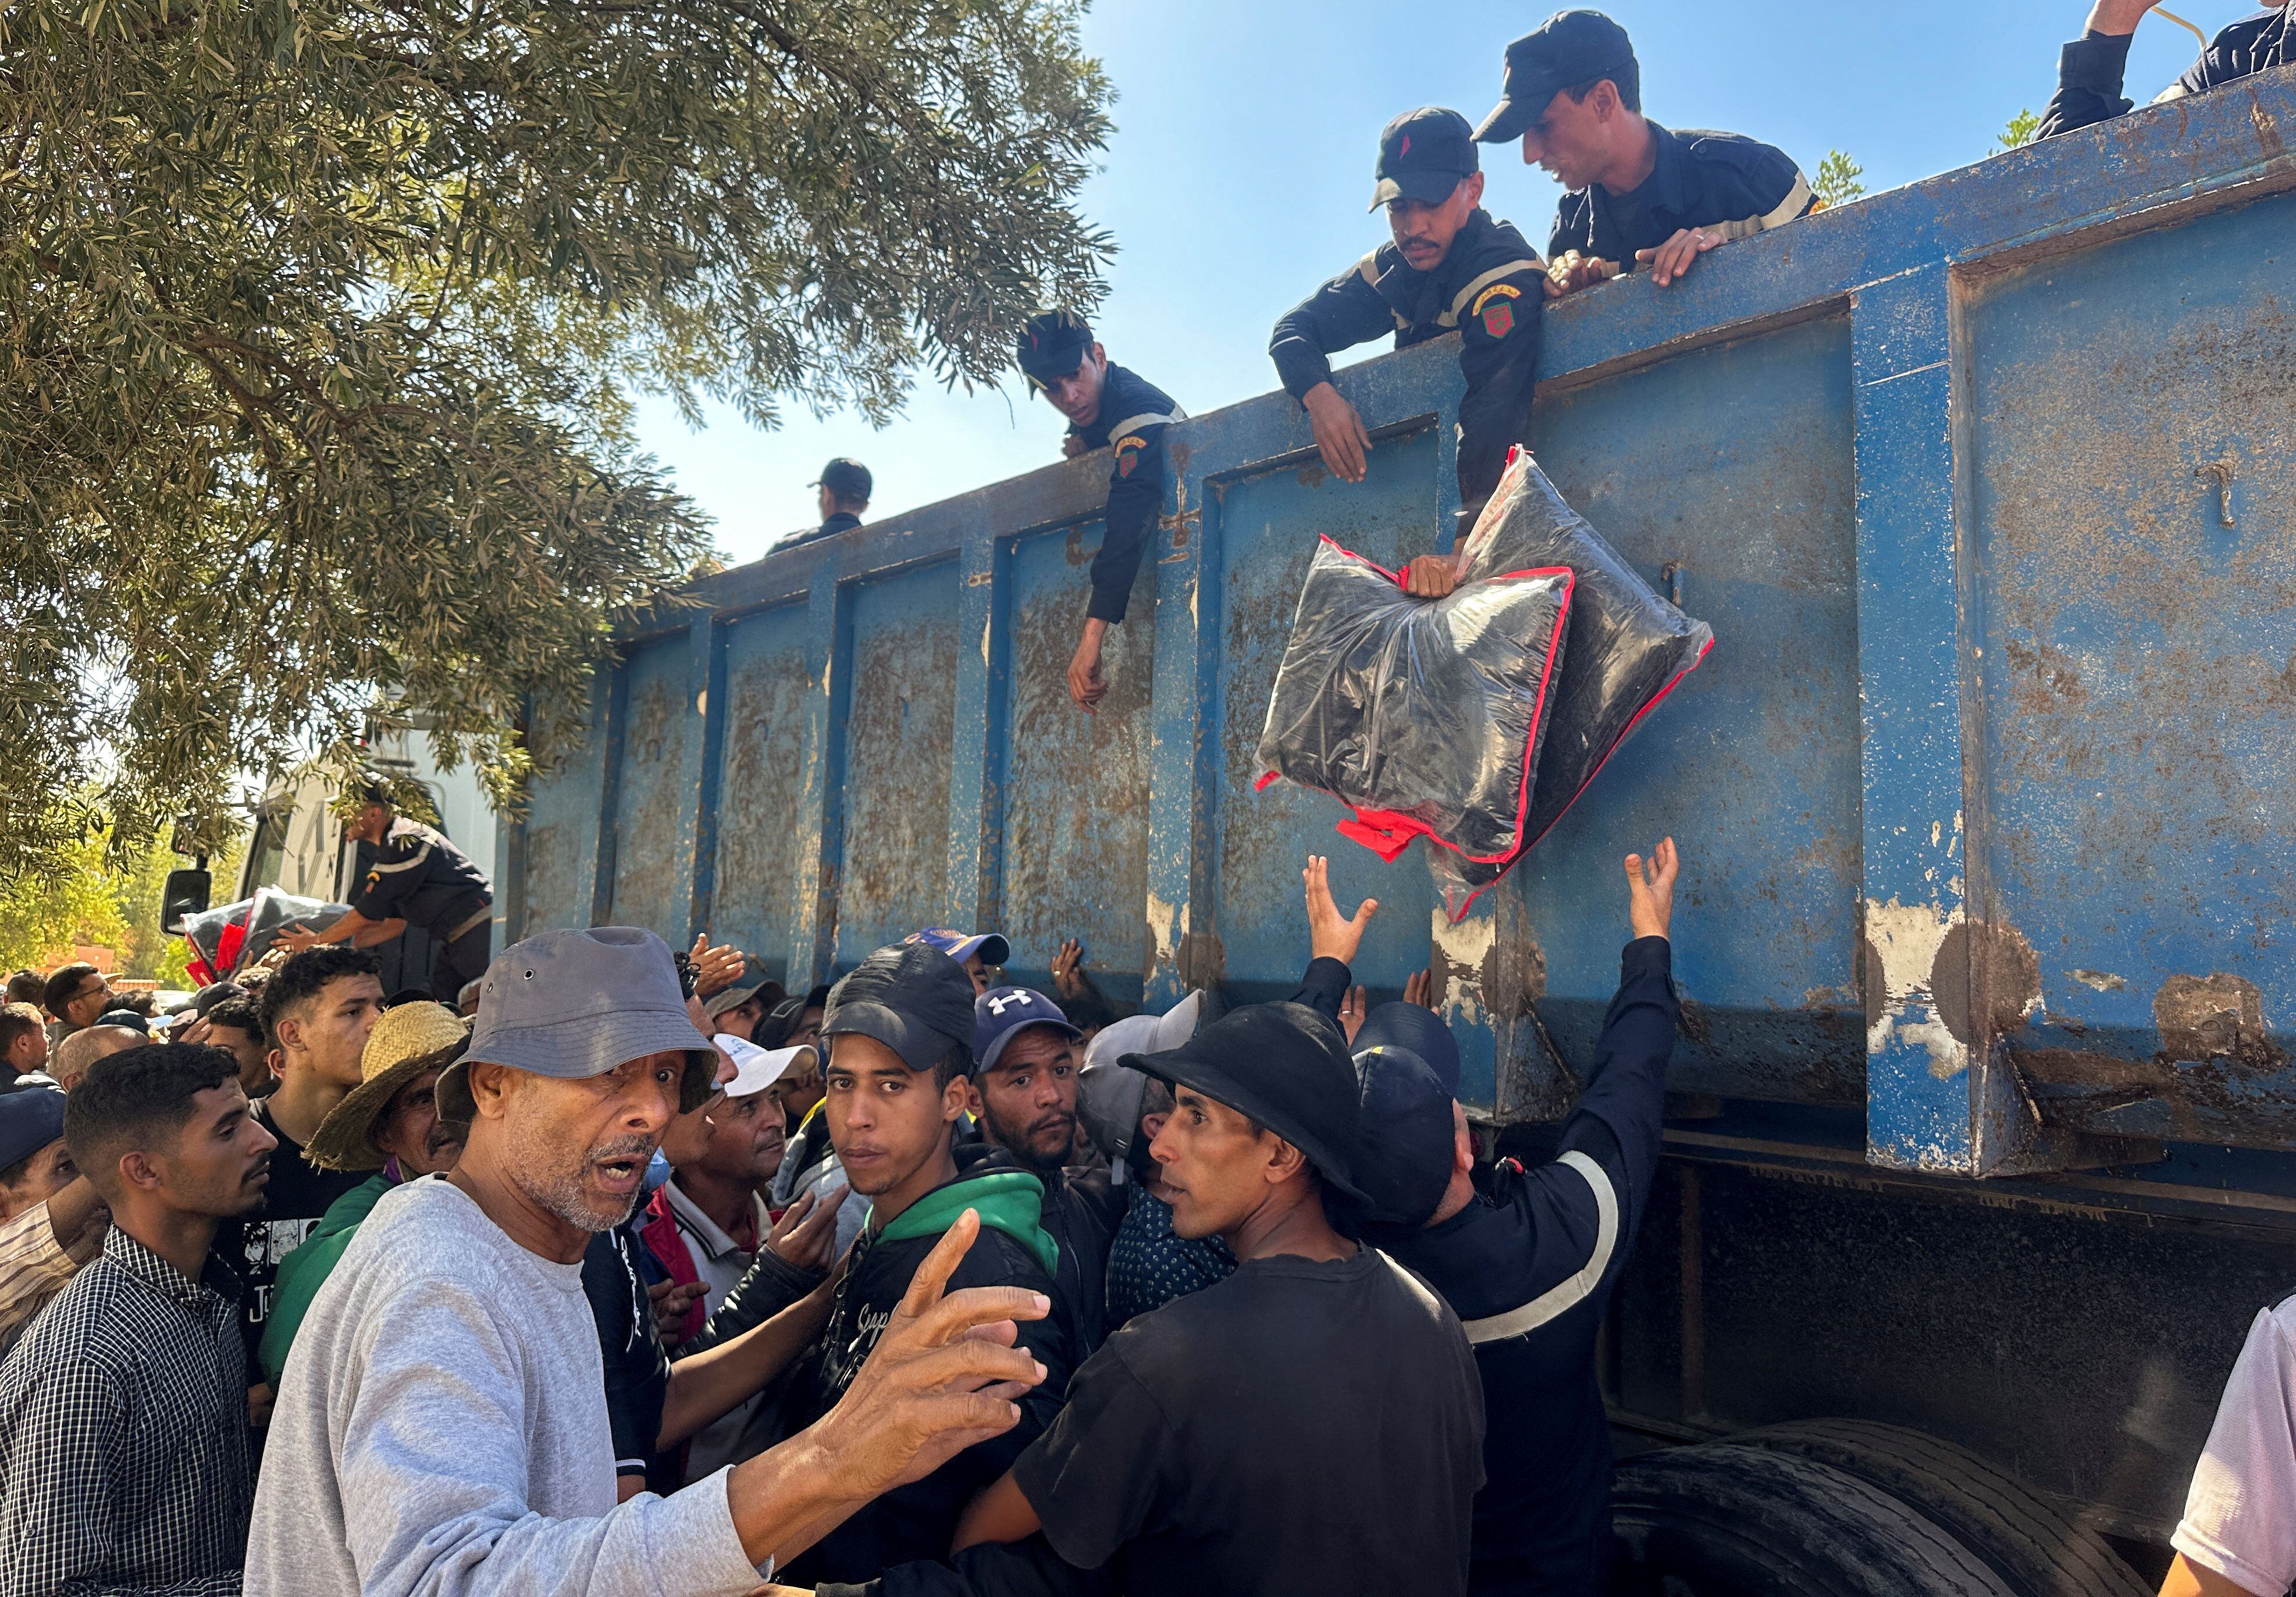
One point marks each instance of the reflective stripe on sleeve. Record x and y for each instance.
(1146, 419)
(1460, 301)
(1785, 211)
(1571, 1293)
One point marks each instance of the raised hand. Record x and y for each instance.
(1649, 891)
(716, 969)
(1419, 988)
(1330, 934)
(1068, 982)
(1353, 1008)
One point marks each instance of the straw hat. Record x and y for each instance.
(406, 1041)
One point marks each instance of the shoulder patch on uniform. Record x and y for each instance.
(1127, 453)
(1497, 291)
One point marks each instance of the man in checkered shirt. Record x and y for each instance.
(123, 1411)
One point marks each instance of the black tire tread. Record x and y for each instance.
(2032, 1543)
(1813, 1530)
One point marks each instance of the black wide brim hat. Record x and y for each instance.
(1285, 1066)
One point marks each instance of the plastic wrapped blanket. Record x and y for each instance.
(231, 937)
(1628, 649)
(1423, 716)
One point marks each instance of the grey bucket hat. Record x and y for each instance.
(578, 1004)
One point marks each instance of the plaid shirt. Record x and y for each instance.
(124, 1462)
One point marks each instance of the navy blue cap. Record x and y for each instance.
(31, 1118)
(1406, 1134)
(1053, 345)
(846, 477)
(1000, 1012)
(911, 997)
(1414, 1031)
(1424, 155)
(1569, 47)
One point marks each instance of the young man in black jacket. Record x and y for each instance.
(1528, 1262)
(1023, 1094)
(899, 1031)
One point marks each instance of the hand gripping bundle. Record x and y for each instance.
(1626, 649)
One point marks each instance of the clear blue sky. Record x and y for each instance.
(1241, 165)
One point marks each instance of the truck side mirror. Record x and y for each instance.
(183, 895)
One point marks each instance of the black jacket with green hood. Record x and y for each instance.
(1013, 1249)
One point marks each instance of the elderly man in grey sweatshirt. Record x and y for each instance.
(441, 1423)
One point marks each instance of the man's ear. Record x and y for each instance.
(972, 1096)
(489, 1086)
(289, 1033)
(956, 1098)
(137, 1170)
(1283, 1160)
(1473, 183)
(1463, 1142)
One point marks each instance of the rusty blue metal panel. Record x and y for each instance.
(768, 681)
(898, 711)
(2141, 675)
(646, 862)
(557, 838)
(976, 738)
(1917, 1105)
(1875, 807)
(1074, 788)
(1726, 475)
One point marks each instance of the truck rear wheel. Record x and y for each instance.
(1729, 1520)
(2038, 1549)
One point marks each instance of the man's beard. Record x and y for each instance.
(561, 1192)
(1020, 1142)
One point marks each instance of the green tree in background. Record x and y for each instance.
(1838, 177)
(2018, 133)
(86, 892)
(321, 321)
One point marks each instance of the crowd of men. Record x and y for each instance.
(519, 1300)
(602, 1267)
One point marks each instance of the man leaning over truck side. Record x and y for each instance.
(419, 879)
(1637, 193)
(1110, 408)
(2091, 68)
(1449, 268)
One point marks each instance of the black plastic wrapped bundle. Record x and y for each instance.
(1628, 649)
(1425, 716)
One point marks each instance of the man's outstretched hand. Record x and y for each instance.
(1340, 434)
(1672, 258)
(944, 1375)
(1649, 891)
(1331, 935)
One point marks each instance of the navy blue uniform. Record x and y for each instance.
(1722, 183)
(2090, 70)
(1529, 1267)
(421, 878)
(1134, 414)
(1490, 287)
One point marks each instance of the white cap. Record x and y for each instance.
(756, 1069)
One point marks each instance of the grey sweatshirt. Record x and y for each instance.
(441, 1429)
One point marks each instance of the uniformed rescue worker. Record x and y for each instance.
(1450, 267)
(844, 487)
(2090, 70)
(422, 879)
(1109, 408)
(1527, 1262)
(1637, 193)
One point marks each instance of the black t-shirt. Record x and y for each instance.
(1300, 1428)
(294, 1200)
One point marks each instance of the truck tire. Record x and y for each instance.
(2038, 1549)
(1726, 1521)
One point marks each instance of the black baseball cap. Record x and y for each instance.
(911, 997)
(1569, 47)
(1284, 1065)
(1053, 345)
(1409, 1134)
(845, 478)
(1424, 155)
